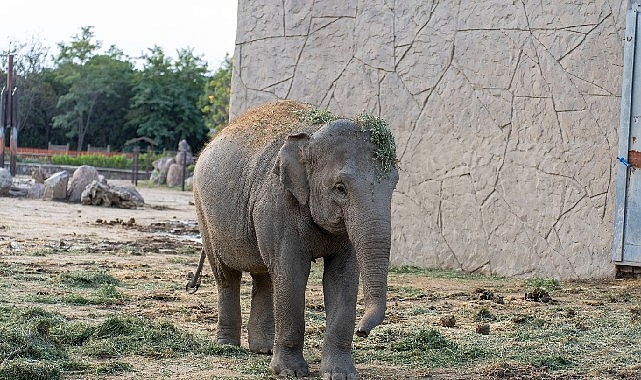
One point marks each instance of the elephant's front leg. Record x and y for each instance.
(290, 279)
(340, 289)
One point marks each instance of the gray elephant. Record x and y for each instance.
(281, 186)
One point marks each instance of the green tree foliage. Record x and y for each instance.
(101, 97)
(93, 80)
(164, 105)
(214, 104)
(37, 90)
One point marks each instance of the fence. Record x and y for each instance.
(39, 153)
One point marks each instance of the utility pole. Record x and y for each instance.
(9, 118)
(13, 118)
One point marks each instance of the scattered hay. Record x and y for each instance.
(270, 122)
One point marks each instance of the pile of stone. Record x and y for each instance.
(85, 186)
(169, 170)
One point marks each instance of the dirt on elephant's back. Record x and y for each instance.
(264, 124)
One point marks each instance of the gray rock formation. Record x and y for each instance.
(36, 191)
(82, 177)
(174, 175)
(101, 194)
(505, 114)
(5, 182)
(56, 186)
(161, 166)
(187, 156)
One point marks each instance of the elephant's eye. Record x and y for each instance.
(340, 188)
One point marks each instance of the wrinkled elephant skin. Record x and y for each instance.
(274, 193)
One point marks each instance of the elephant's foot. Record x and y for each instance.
(288, 364)
(338, 367)
(225, 336)
(261, 346)
(261, 339)
(233, 342)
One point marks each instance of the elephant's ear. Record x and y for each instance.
(290, 166)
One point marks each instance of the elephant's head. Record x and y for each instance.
(340, 173)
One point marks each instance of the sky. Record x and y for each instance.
(206, 26)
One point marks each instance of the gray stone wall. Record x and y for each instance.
(505, 113)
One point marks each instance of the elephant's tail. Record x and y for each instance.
(194, 278)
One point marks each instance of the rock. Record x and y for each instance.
(82, 177)
(5, 182)
(100, 194)
(56, 186)
(483, 329)
(39, 174)
(188, 156)
(448, 321)
(174, 175)
(162, 165)
(36, 191)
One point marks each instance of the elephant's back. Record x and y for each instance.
(264, 125)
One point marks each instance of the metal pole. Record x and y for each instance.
(147, 161)
(11, 116)
(182, 187)
(3, 123)
(13, 139)
(134, 171)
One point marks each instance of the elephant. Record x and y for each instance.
(281, 186)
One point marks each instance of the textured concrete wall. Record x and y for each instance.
(505, 112)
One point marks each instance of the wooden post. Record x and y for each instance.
(147, 161)
(3, 123)
(11, 116)
(134, 169)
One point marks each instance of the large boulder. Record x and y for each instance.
(36, 191)
(5, 182)
(81, 178)
(184, 154)
(56, 186)
(174, 175)
(101, 194)
(162, 166)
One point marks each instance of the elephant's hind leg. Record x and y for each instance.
(260, 328)
(229, 317)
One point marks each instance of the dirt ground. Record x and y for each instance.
(487, 327)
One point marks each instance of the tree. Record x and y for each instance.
(94, 81)
(37, 94)
(215, 102)
(164, 106)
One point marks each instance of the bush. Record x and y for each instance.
(97, 160)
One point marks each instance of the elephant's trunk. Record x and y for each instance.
(371, 241)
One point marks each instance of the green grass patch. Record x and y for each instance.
(416, 348)
(437, 273)
(547, 284)
(37, 342)
(24, 369)
(87, 279)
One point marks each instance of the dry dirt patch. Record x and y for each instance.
(94, 266)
